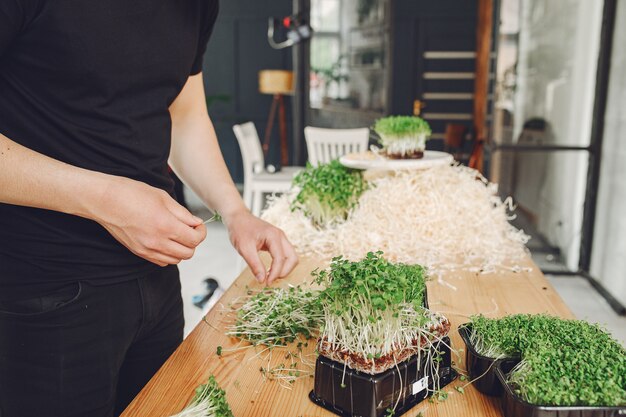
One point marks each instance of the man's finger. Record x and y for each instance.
(291, 258)
(164, 260)
(251, 256)
(188, 236)
(176, 250)
(275, 248)
(182, 214)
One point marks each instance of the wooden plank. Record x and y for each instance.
(484, 28)
(458, 295)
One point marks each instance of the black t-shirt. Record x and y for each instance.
(89, 82)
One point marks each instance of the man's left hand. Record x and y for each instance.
(249, 235)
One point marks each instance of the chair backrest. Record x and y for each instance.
(324, 145)
(251, 152)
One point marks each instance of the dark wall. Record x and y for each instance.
(444, 26)
(237, 51)
(426, 25)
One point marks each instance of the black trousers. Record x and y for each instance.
(85, 350)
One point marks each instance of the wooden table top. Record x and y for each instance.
(457, 295)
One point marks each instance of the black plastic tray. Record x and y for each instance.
(481, 369)
(514, 406)
(365, 395)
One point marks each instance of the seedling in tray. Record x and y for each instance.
(403, 137)
(561, 363)
(374, 322)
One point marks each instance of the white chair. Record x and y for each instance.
(256, 180)
(324, 145)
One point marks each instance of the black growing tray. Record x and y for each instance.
(514, 406)
(481, 369)
(365, 395)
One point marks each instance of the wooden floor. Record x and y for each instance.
(458, 295)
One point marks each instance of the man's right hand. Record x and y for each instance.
(149, 222)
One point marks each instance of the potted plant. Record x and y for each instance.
(403, 137)
(328, 192)
(561, 365)
(377, 333)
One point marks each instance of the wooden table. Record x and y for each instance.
(458, 295)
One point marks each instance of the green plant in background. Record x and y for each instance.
(364, 9)
(563, 362)
(332, 74)
(208, 401)
(403, 136)
(327, 192)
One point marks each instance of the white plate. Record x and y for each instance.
(369, 160)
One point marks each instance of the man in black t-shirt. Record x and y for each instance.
(96, 97)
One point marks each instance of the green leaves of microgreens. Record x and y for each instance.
(373, 280)
(277, 316)
(564, 362)
(373, 307)
(401, 126)
(327, 192)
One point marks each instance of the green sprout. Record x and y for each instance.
(328, 192)
(401, 126)
(209, 401)
(563, 362)
(403, 136)
(374, 309)
(277, 316)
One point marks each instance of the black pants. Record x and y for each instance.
(85, 350)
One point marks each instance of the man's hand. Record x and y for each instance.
(250, 234)
(149, 222)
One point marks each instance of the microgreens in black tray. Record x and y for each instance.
(327, 192)
(563, 362)
(208, 401)
(374, 308)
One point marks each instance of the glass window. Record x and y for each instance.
(547, 57)
(325, 15)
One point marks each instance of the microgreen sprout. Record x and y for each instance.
(400, 126)
(209, 401)
(403, 136)
(563, 362)
(277, 316)
(327, 192)
(374, 317)
(285, 374)
(215, 218)
(373, 308)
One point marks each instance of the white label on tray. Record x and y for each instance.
(420, 385)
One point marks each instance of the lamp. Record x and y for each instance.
(278, 83)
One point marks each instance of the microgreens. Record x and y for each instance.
(214, 218)
(401, 126)
(374, 307)
(277, 316)
(208, 401)
(328, 192)
(563, 362)
(403, 136)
